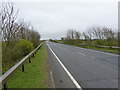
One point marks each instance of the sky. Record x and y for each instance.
(53, 19)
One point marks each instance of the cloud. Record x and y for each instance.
(52, 19)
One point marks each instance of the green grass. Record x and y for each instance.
(60, 41)
(35, 75)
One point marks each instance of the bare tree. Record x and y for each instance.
(86, 37)
(9, 17)
(77, 35)
(108, 33)
(89, 33)
(14, 30)
(70, 34)
(97, 32)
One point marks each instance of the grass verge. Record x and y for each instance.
(35, 75)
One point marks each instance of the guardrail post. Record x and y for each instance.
(5, 86)
(33, 54)
(110, 46)
(23, 68)
(29, 60)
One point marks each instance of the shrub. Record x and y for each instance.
(25, 46)
(12, 54)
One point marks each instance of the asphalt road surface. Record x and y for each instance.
(90, 68)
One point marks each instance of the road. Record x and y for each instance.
(90, 68)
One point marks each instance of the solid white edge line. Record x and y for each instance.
(68, 73)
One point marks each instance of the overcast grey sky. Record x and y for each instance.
(53, 20)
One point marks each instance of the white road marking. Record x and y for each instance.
(68, 73)
(81, 54)
(52, 79)
(93, 57)
(85, 55)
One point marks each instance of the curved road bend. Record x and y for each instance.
(91, 69)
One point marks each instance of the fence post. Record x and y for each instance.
(29, 60)
(23, 68)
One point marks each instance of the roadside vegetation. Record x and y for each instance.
(18, 37)
(96, 35)
(36, 73)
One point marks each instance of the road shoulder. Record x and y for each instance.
(60, 78)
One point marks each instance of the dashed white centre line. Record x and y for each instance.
(93, 57)
(81, 54)
(85, 55)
